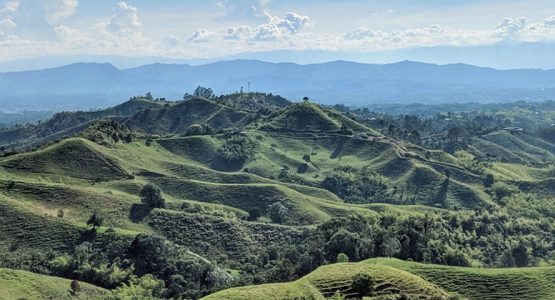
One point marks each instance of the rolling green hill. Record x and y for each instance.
(387, 278)
(271, 195)
(15, 284)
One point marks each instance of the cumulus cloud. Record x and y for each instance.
(510, 27)
(277, 27)
(125, 20)
(238, 33)
(201, 36)
(273, 29)
(550, 22)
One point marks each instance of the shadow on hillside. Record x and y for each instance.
(224, 166)
(338, 148)
(138, 212)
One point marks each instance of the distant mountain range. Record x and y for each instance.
(93, 85)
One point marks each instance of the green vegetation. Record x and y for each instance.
(395, 279)
(183, 199)
(16, 284)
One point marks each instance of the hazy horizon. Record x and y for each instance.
(42, 34)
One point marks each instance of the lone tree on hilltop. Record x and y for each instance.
(152, 196)
(204, 92)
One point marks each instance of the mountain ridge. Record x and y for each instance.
(93, 85)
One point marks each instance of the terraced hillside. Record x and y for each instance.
(390, 278)
(270, 197)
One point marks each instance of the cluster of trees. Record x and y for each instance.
(357, 185)
(199, 129)
(237, 149)
(200, 91)
(469, 238)
(143, 267)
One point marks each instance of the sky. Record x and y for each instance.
(214, 28)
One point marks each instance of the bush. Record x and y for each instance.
(237, 150)
(152, 196)
(194, 129)
(277, 212)
(502, 190)
(342, 258)
(363, 284)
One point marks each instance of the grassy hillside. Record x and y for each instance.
(176, 118)
(271, 195)
(16, 284)
(390, 277)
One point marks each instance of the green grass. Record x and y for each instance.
(395, 277)
(330, 279)
(477, 283)
(16, 284)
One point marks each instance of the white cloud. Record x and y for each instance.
(7, 23)
(10, 7)
(238, 33)
(125, 20)
(550, 22)
(273, 29)
(71, 35)
(510, 27)
(277, 27)
(202, 36)
(57, 10)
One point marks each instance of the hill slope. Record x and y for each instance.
(15, 284)
(386, 278)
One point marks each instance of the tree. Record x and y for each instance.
(149, 96)
(277, 212)
(305, 99)
(342, 258)
(74, 287)
(306, 158)
(390, 246)
(152, 196)
(456, 132)
(95, 221)
(194, 129)
(204, 92)
(520, 255)
(488, 180)
(254, 214)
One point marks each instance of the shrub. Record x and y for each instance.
(237, 149)
(152, 196)
(342, 258)
(95, 221)
(363, 284)
(277, 212)
(502, 190)
(194, 129)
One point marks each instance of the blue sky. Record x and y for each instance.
(213, 28)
